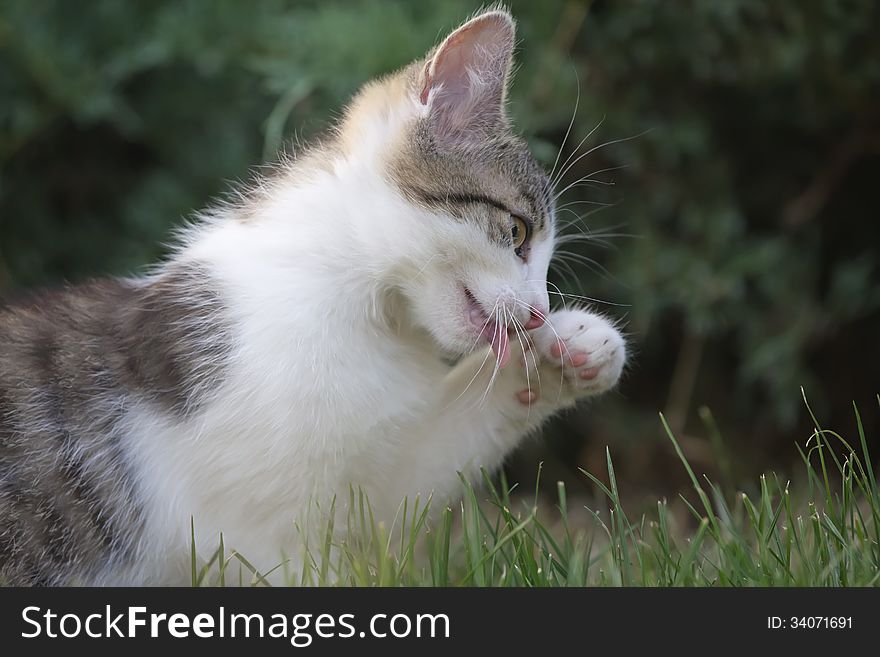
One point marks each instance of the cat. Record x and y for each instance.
(374, 314)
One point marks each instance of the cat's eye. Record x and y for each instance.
(519, 232)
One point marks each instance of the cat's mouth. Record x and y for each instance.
(487, 328)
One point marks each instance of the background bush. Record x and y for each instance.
(745, 260)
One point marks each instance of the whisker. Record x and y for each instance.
(558, 291)
(564, 295)
(573, 281)
(483, 327)
(589, 179)
(577, 101)
(599, 242)
(578, 219)
(549, 284)
(598, 238)
(559, 339)
(529, 341)
(555, 181)
(498, 328)
(591, 299)
(425, 266)
(516, 330)
(589, 263)
(595, 148)
(472, 349)
(588, 231)
(474, 378)
(584, 202)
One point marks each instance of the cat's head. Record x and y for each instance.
(482, 206)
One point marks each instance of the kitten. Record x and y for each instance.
(299, 342)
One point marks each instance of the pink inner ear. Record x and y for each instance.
(483, 45)
(449, 63)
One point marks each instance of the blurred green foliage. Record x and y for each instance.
(748, 133)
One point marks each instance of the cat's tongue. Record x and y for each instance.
(500, 342)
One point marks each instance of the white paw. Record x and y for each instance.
(578, 350)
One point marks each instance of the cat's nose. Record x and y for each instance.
(536, 319)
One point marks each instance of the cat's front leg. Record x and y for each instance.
(574, 355)
(484, 412)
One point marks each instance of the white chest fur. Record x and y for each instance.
(319, 395)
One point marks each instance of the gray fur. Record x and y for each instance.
(72, 363)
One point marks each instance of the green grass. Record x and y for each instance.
(828, 534)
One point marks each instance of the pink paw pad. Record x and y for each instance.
(577, 358)
(526, 397)
(589, 373)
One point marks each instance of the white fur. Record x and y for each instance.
(346, 303)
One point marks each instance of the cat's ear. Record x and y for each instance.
(464, 80)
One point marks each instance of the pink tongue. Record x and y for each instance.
(500, 342)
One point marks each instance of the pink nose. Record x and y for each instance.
(536, 319)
